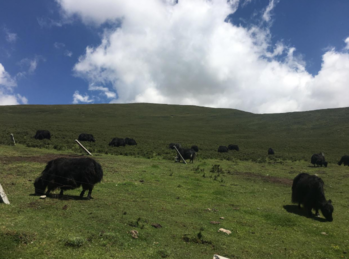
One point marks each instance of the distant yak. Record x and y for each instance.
(117, 142)
(222, 149)
(344, 160)
(86, 137)
(195, 148)
(309, 191)
(319, 160)
(130, 141)
(69, 173)
(42, 134)
(186, 154)
(270, 151)
(233, 147)
(177, 145)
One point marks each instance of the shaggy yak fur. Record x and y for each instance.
(233, 147)
(222, 149)
(86, 137)
(344, 160)
(177, 145)
(69, 173)
(186, 154)
(195, 148)
(309, 191)
(117, 142)
(42, 134)
(270, 151)
(319, 160)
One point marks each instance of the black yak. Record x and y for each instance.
(344, 160)
(130, 141)
(318, 159)
(233, 147)
(186, 154)
(270, 151)
(117, 142)
(86, 137)
(42, 134)
(177, 145)
(69, 173)
(309, 191)
(195, 148)
(222, 149)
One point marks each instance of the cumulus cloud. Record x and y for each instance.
(59, 45)
(29, 66)
(186, 53)
(6, 89)
(78, 98)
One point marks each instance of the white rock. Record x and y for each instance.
(43, 197)
(219, 257)
(228, 232)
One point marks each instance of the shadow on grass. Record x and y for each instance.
(301, 212)
(64, 197)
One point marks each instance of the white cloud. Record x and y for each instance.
(347, 42)
(6, 89)
(59, 45)
(186, 54)
(9, 36)
(267, 13)
(30, 65)
(68, 53)
(109, 94)
(78, 98)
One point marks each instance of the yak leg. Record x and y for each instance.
(317, 214)
(61, 193)
(82, 193)
(89, 193)
(299, 206)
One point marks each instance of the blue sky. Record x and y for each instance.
(258, 56)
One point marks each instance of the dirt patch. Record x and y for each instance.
(36, 159)
(270, 179)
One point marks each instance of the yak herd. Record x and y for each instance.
(71, 173)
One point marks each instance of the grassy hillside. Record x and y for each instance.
(293, 136)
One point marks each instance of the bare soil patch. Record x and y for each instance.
(270, 179)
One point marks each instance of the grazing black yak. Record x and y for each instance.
(186, 154)
(117, 142)
(130, 141)
(177, 145)
(86, 137)
(270, 151)
(222, 149)
(42, 134)
(309, 191)
(233, 147)
(195, 148)
(69, 173)
(318, 159)
(344, 160)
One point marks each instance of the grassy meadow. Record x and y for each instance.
(143, 188)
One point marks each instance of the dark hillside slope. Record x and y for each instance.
(292, 135)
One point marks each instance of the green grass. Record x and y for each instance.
(254, 199)
(143, 186)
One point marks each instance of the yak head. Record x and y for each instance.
(40, 186)
(327, 210)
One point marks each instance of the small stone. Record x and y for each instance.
(221, 217)
(43, 197)
(215, 222)
(228, 232)
(324, 233)
(208, 209)
(134, 233)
